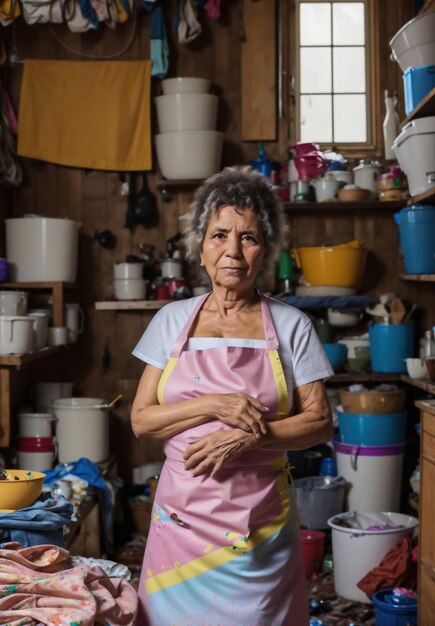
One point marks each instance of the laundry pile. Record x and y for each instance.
(38, 586)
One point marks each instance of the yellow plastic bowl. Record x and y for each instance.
(18, 494)
(341, 265)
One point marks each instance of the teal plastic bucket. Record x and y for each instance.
(390, 345)
(417, 238)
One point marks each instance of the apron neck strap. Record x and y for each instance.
(269, 328)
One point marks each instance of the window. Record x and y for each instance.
(333, 91)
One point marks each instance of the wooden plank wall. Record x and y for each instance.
(94, 199)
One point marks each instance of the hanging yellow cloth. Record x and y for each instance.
(9, 9)
(93, 114)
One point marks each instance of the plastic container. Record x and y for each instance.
(373, 475)
(357, 551)
(417, 238)
(319, 498)
(35, 424)
(312, 542)
(82, 429)
(372, 430)
(390, 345)
(417, 82)
(414, 44)
(414, 148)
(30, 257)
(173, 147)
(341, 265)
(328, 466)
(388, 613)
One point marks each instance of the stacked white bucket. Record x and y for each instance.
(188, 145)
(413, 47)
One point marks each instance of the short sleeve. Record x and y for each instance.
(310, 362)
(151, 347)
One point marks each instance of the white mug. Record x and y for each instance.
(74, 318)
(57, 336)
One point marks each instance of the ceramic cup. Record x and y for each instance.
(57, 336)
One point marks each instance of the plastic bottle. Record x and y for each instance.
(389, 126)
(429, 344)
(262, 163)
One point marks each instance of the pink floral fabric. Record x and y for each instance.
(37, 590)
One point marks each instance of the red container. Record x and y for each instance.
(312, 542)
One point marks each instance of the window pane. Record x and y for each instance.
(316, 118)
(349, 70)
(316, 70)
(350, 118)
(348, 23)
(315, 24)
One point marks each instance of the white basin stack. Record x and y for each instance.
(188, 144)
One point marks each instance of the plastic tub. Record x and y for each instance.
(372, 401)
(341, 265)
(42, 249)
(373, 475)
(390, 345)
(414, 44)
(356, 551)
(319, 498)
(312, 542)
(389, 614)
(417, 82)
(417, 238)
(82, 429)
(414, 148)
(372, 430)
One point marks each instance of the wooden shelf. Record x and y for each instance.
(424, 278)
(424, 108)
(131, 305)
(17, 360)
(422, 383)
(364, 378)
(290, 207)
(427, 196)
(39, 285)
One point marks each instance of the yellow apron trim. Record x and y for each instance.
(164, 377)
(226, 554)
(281, 384)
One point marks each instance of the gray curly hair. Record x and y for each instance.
(243, 188)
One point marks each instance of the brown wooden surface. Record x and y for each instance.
(424, 108)
(426, 568)
(258, 89)
(5, 410)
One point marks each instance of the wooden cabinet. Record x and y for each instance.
(426, 566)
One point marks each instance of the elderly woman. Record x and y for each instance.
(233, 380)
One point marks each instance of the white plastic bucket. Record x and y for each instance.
(82, 429)
(356, 551)
(373, 475)
(42, 249)
(415, 150)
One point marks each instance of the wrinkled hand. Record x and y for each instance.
(240, 410)
(210, 452)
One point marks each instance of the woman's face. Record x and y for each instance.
(233, 250)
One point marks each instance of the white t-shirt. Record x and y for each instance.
(302, 356)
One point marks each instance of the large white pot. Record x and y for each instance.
(189, 154)
(414, 44)
(82, 429)
(187, 111)
(415, 150)
(13, 302)
(185, 84)
(47, 392)
(16, 334)
(42, 249)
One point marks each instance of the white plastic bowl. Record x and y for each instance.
(343, 318)
(129, 288)
(414, 44)
(189, 154)
(187, 111)
(416, 368)
(184, 84)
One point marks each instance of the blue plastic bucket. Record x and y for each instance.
(388, 614)
(372, 430)
(390, 344)
(417, 238)
(417, 82)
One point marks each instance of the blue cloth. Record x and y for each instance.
(159, 49)
(40, 523)
(309, 303)
(88, 12)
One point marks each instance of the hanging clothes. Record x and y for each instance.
(93, 115)
(224, 551)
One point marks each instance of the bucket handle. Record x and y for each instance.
(354, 457)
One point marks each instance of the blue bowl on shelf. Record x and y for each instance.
(336, 353)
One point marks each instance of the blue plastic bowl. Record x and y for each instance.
(336, 353)
(382, 429)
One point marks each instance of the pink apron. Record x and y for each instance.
(224, 551)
